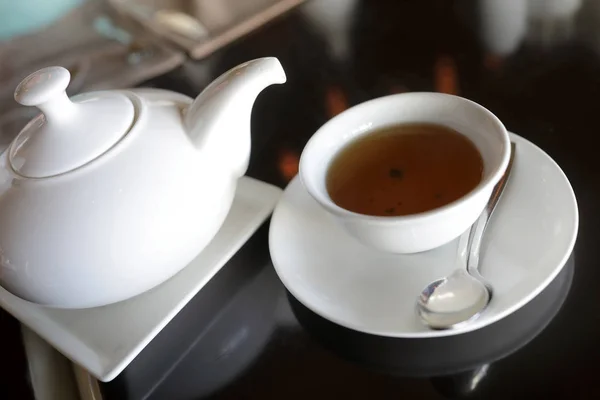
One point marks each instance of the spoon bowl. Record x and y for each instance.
(453, 300)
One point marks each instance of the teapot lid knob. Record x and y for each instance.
(41, 86)
(46, 89)
(70, 134)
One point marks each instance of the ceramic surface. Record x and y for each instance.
(104, 340)
(423, 231)
(67, 134)
(119, 221)
(528, 240)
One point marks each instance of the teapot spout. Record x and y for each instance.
(218, 120)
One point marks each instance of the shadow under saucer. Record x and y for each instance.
(439, 356)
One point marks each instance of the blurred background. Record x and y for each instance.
(533, 63)
(492, 51)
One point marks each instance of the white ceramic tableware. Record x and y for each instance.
(104, 340)
(417, 232)
(528, 240)
(108, 194)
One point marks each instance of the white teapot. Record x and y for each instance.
(110, 193)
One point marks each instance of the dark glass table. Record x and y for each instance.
(535, 64)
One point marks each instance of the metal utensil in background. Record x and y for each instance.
(137, 52)
(181, 23)
(166, 20)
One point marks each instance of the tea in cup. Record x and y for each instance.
(409, 172)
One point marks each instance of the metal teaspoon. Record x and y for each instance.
(462, 296)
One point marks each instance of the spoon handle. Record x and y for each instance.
(463, 249)
(478, 228)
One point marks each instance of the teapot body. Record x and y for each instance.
(106, 195)
(120, 225)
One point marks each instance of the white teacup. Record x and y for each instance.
(416, 232)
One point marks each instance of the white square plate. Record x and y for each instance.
(104, 340)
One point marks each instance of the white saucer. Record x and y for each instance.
(104, 340)
(529, 239)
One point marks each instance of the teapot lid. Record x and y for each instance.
(67, 135)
